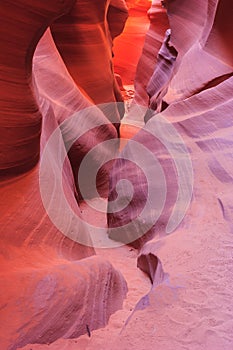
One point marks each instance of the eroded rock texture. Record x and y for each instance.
(89, 128)
(84, 39)
(154, 37)
(201, 43)
(181, 311)
(20, 117)
(211, 118)
(52, 285)
(153, 40)
(174, 202)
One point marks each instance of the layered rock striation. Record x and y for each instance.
(53, 285)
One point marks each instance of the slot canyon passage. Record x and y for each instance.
(116, 169)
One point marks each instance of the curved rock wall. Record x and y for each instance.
(154, 37)
(86, 46)
(208, 48)
(53, 284)
(188, 85)
(20, 117)
(189, 306)
(66, 101)
(153, 40)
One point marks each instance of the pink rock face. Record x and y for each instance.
(181, 310)
(127, 48)
(147, 63)
(116, 17)
(208, 122)
(153, 40)
(20, 118)
(138, 4)
(50, 278)
(64, 102)
(157, 85)
(86, 45)
(170, 188)
(209, 47)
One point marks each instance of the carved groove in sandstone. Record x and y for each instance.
(56, 287)
(20, 117)
(53, 285)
